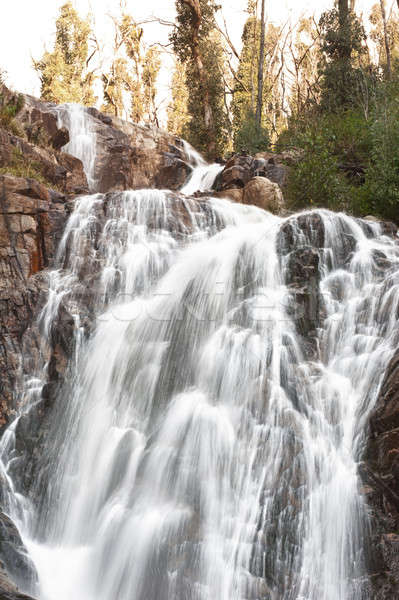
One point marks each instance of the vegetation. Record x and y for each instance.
(10, 105)
(64, 73)
(348, 130)
(21, 166)
(322, 86)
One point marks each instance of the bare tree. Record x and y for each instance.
(386, 38)
(259, 102)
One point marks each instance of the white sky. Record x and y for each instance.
(26, 27)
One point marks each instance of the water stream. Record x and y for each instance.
(198, 451)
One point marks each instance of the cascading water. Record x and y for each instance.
(198, 451)
(82, 137)
(203, 175)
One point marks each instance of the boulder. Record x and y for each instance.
(265, 194)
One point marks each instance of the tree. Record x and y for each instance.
(133, 73)
(114, 84)
(197, 44)
(178, 116)
(259, 101)
(383, 35)
(64, 72)
(386, 39)
(250, 133)
(304, 52)
(343, 40)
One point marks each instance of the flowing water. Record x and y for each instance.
(203, 175)
(82, 137)
(198, 450)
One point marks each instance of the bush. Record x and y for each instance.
(316, 180)
(250, 138)
(10, 106)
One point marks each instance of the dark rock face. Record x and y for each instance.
(32, 220)
(299, 242)
(380, 472)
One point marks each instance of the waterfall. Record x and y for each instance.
(82, 137)
(203, 176)
(204, 446)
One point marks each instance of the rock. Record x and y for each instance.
(16, 561)
(265, 194)
(60, 138)
(133, 156)
(380, 472)
(32, 219)
(234, 194)
(241, 168)
(61, 170)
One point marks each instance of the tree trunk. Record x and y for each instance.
(209, 123)
(386, 39)
(259, 103)
(353, 2)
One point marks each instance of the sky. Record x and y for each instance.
(27, 27)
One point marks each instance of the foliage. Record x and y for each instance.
(21, 166)
(316, 181)
(63, 73)
(132, 74)
(198, 45)
(250, 138)
(10, 106)
(381, 190)
(343, 43)
(178, 117)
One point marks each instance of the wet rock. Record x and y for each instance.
(380, 472)
(303, 280)
(14, 555)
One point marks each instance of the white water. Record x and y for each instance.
(82, 137)
(196, 453)
(203, 175)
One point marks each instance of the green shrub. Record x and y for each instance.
(10, 106)
(250, 138)
(21, 166)
(316, 181)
